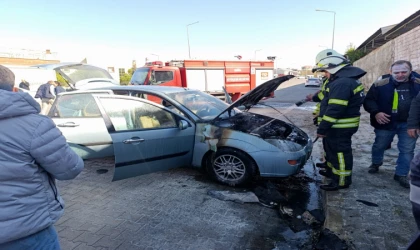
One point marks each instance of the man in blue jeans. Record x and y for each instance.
(388, 102)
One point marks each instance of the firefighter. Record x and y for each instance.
(339, 114)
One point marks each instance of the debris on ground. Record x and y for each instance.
(328, 240)
(298, 202)
(368, 203)
(269, 195)
(309, 219)
(239, 197)
(102, 171)
(294, 240)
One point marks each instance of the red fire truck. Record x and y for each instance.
(237, 77)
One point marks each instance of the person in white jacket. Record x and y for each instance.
(33, 154)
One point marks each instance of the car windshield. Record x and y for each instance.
(81, 72)
(205, 106)
(139, 76)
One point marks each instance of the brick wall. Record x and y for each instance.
(377, 63)
(407, 47)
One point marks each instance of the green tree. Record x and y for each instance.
(126, 77)
(353, 54)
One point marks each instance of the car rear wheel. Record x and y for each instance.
(232, 167)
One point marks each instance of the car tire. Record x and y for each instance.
(231, 166)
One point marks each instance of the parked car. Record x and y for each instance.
(80, 76)
(313, 82)
(153, 128)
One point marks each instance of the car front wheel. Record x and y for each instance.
(232, 167)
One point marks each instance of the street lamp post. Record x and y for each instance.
(155, 55)
(255, 54)
(330, 11)
(188, 38)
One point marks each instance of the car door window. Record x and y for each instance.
(160, 101)
(75, 105)
(128, 114)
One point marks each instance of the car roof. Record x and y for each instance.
(149, 88)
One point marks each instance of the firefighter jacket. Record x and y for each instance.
(392, 98)
(343, 98)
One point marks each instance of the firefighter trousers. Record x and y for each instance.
(339, 155)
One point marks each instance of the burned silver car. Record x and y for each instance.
(153, 128)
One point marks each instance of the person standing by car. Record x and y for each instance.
(58, 88)
(47, 94)
(388, 102)
(24, 85)
(340, 113)
(33, 153)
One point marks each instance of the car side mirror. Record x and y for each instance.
(182, 124)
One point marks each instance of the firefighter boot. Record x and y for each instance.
(374, 168)
(333, 186)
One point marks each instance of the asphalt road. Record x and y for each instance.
(292, 91)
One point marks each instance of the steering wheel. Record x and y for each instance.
(203, 112)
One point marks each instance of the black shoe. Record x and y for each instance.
(374, 168)
(321, 165)
(402, 180)
(324, 173)
(333, 187)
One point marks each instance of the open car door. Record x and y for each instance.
(146, 136)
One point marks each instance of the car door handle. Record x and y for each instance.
(68, 124)
(132, 141)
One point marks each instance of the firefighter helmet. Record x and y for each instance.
(331, 61)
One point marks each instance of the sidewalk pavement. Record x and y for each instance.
(391, 224)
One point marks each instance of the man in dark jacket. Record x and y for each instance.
(33, 154)
(340, 113)
(388, 102)
(47, 94)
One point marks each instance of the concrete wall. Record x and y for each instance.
(407, 47)
(377, 63)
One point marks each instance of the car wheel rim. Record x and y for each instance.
(229, 167)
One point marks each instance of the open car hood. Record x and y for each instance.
(254, 96)
(81, 76)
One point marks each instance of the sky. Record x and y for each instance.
(113, 33)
